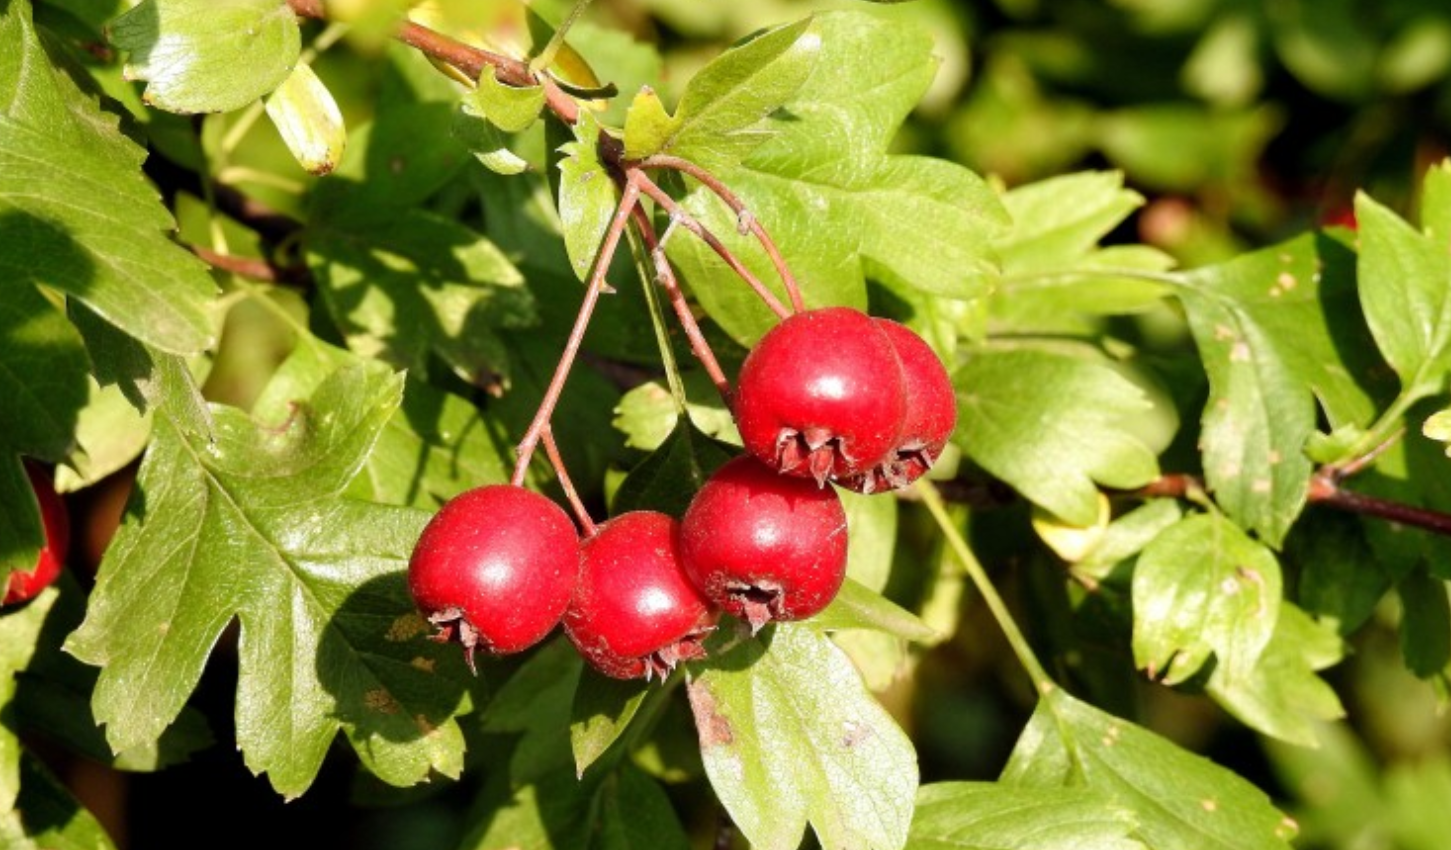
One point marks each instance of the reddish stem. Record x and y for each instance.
(628, 199)
(666, 275)
(557, 461)
(744, 219)
(679, 214)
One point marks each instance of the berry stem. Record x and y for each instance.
(974, 569)
(666, 277)
(745, 221)
(525, 451)
(679, 215)
(551, 449)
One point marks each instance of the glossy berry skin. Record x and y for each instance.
(929, 421)
(765, 546)
(24, 586)
(495, 568)
(634, 613)
(821, 395)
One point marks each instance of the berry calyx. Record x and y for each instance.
(928, 423)
(634, 613)
(25, 585)
(495, 568)
(821, 395)
(765, 546)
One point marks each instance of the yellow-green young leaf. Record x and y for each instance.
(1266, 326)
(1180, 800)
(837, 203)
(510, 108)
(1053, 426)
(646, 414)
(1438, 427)
(1204, 587)
(309, 121)
(1282, 697)
(207, 55)
(995, 816)
(790, 736)
(251, 526)
(77, 215)
(859, 607)
(488, 143)
(647, 124)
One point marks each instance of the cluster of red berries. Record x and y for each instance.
(829, 395)
(26, 584)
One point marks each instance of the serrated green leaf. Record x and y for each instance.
(48, 817)
(1263, 326)
(587, 197)
(1282, 697)
(1341, 579)
(722, 115)
(1127, 536)
(790, 736)
(419, 284)
(669, 478)
(1203, 587)
(836, 203)
(109, 434)
(859, 607)
(207, 55)
(646, 415)
(1051, 425)
(535, 702)
(434, 447)
(602, 710)
(19, 633)
(993, 816)
(249, 525)
(489, 144)
(306, 116)
(1407, 303)
(77, 215)
(43, 371)
(1181, 800)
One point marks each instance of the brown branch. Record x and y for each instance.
(253, 268)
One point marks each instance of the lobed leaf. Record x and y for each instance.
(587, 197)
(207, 55)
(668, 479)
(790, 736)
(1051, 425)
(250, 526)
(1266, 327)
(1180, 800)
(77, 216)
(1203, 587)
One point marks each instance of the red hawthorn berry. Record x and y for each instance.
(930, 418)
(765, 546)
(821, 395)
(25, 585)
(634, 613)
(494, 569)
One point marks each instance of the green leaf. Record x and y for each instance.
(1203, 587)
(993, 816)
(19, 634)
(22, 533)
(510, 108)
(1425, 624)
(249, 525)
(602, 711)
(587, 197)
(76, 214)
(1051, 425)
(1262, 323)
(646, 415)
(670, 477)
(1181, 801)
(207, 55)
(839, 206)
(789, 735)
(489, 144)
(47, 817)
(305, 114)
(109, 434)
(435, 446)
(859, 607)
(722, 115)
(417, 284)
(43, 370)
(1409, 306)
(1282, 697)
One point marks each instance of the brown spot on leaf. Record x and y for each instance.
(406, 627)
(379, 700)
(713, 728)
(424, 664)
